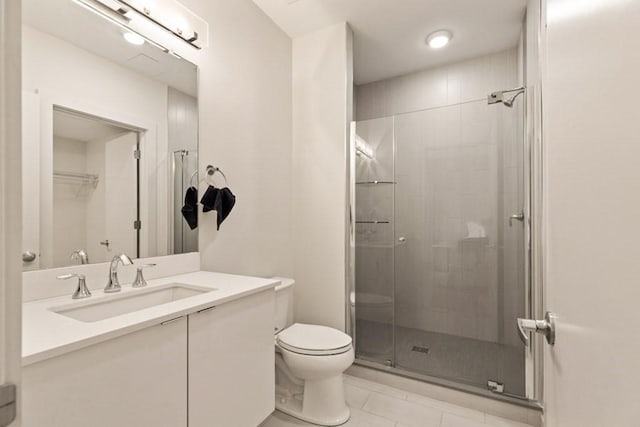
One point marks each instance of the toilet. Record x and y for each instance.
(310, 360)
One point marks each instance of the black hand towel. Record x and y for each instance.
(209, 198)
(225, 200)
(190, 208)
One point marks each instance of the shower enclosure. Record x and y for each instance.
(440, 245)
(184, 174)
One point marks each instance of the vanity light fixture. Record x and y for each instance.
(171, 20)
(113, 5)
(94, 7)
(439, 39)
(133, 38)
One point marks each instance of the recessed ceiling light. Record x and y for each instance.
(439, 39)
(134, 38)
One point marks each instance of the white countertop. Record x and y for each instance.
(46, 334)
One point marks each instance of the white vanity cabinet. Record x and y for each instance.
(211, 368)
(134, 380)
(231, 363)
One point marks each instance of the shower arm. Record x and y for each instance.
(499, 96)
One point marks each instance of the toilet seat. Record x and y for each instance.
(314, 340)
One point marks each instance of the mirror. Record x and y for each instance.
(110, 140)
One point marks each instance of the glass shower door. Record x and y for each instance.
(184, 175)
(374, 241)
(458, 264)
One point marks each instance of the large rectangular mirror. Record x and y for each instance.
(110, 130)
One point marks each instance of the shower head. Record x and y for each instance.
(499, 97)
(509, 102)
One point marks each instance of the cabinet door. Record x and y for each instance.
(231, 363)
(135, 380)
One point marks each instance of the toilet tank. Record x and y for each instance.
(284, 303)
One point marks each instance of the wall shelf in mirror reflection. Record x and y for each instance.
(77, 178)
(101, 119)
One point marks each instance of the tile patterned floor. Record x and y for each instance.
(377, 405)
(459, 359)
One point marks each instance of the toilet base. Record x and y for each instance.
(293, 407)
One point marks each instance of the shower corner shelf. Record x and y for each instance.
(375, 182)
(373, 221)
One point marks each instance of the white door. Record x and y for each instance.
(592, 140)
(31, 180)
(10, 206)
(121, 194)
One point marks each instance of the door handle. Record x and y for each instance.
(546, 327)
(28, 256)
(518, 217)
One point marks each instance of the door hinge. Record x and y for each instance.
(7, 404)
(137, 224)
(136, 154)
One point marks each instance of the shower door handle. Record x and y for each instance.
(518, 217)
(546, 327)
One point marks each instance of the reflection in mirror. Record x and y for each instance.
(110, 132)
(95, 189)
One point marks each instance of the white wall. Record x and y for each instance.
(592, 180)
(245, 129)
(60, 72)
(321, 116)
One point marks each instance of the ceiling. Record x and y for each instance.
(389, 35)
(81, 128)
(67, 21)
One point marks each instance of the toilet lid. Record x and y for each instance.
(314, 339)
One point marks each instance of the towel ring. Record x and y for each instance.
(211, 170)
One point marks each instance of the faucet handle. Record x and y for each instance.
(80, 255)
(81, 291)
(139, 282)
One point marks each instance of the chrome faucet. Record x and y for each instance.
(114, 285)
(139, 282)
(81, 291)
(80, 255)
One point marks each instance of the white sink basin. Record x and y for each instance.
(112, 306)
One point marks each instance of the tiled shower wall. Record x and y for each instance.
(465, 81)
(458, 170)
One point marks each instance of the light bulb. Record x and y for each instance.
(439, 39)
(134, 38)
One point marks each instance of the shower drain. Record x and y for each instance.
(419, 349)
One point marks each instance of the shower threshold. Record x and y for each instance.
(516, 400)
